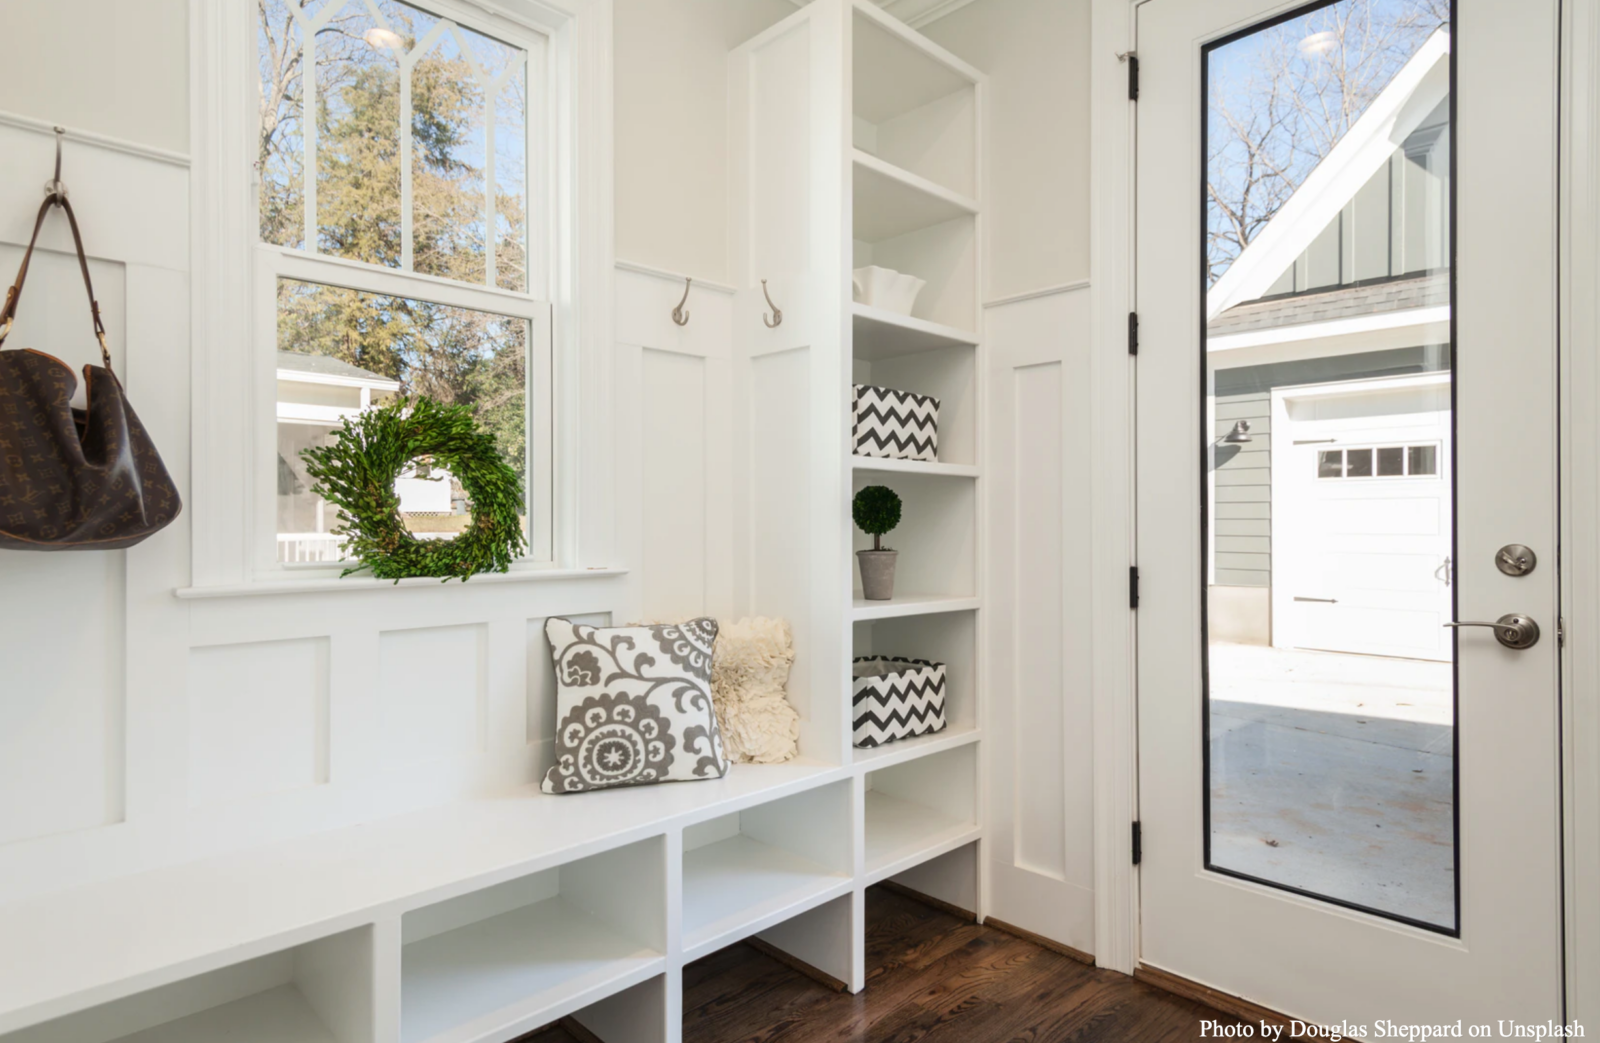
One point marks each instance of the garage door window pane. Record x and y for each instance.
(1329, 688)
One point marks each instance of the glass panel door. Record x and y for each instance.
(1330, 695)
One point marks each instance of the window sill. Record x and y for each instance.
(320, 586)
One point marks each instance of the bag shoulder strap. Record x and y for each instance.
(9, 311)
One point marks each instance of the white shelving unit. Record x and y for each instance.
(880, 334)
(745, 872)
(497, 962)
(864, 611)
(881, 465)
(478, 920)
(319, 992)
(919, 809)
(888, 754)
(890, 202)
(916, 207)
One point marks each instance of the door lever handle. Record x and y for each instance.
(1514, 630)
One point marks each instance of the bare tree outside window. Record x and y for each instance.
(1281, 99)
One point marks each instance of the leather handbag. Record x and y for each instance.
(73, 479)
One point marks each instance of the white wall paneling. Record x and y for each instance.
(1041, 713)
(258, 719)
(433, 693)
(675, 427)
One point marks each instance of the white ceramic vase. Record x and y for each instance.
(887, 289)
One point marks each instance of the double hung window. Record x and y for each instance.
(403, 199)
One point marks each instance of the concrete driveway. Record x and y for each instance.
(1332, 773)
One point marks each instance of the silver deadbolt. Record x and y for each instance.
(1514, 630)
(1515, 560)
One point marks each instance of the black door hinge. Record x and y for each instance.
(1138, 847)
(1133, 586)
(1133, 333)
(1133, 77)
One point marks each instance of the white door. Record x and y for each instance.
(1361, 503)
(1314, 841)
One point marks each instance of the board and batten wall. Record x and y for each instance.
(140, 729)
(1040, 869)
(1039, 733)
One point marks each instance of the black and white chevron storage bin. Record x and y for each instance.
(895, 424)
(896, 698)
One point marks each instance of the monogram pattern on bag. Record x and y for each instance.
(75, 478)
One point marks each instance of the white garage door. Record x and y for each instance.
(1361, 527)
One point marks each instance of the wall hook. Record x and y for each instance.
(774, 320)
(55, 189)
(680, 316)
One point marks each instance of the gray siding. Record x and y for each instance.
(1242, 509)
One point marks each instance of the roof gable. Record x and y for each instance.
(1416, 90)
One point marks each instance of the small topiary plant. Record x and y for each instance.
(876, 511)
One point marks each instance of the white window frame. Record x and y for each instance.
(234, 388)
(273, 263)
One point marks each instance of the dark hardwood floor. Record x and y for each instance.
(932, 978)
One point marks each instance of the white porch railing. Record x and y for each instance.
(299, 547)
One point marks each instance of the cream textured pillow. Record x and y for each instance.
(748, 681)
(633, 705)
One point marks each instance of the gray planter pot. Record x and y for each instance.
(877, 573)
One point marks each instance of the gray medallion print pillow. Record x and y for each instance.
(633, 705)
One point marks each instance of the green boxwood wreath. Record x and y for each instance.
(356, 473)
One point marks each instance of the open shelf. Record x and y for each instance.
(948, 638)
(890, 202)
(949, 374)
(884, 465)
(278, 1015)
(901, 750)
(919, 809)
(944, 256)
(915, 104)
(320, 992)
(881, 334)
(506, 959)
(937, 538)
(746, 871)
(863, 610)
